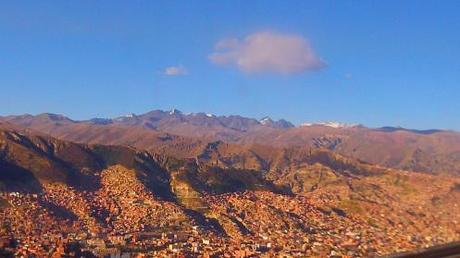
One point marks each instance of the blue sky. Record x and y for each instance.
(385, 62)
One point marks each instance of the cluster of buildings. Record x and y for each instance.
(122, 217)
(315, 226)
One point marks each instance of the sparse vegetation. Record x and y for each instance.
(456, 187)
(352, 206)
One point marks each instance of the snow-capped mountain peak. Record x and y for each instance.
(332, 124)
(124, 117)
(266, 120)
(175, 112)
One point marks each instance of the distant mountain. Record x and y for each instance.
(100, 121)
(433, 152)
(161, 120)
(164, 120)
(281, 124)
(395, 129)
(176, 133)
(331, 124)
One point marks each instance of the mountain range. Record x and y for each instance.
(166, 183)
(430, 151)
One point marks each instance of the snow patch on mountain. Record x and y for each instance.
(175, 112)
(266, 121)
(125, 117)
(332, 124)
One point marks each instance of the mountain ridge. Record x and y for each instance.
(281, 123)
(429, 151)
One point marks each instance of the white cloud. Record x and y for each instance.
(175, 70)
(267, 52)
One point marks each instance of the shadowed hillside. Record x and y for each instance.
(312, 201)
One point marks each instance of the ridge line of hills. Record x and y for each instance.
(224, 120)
(183, 136)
